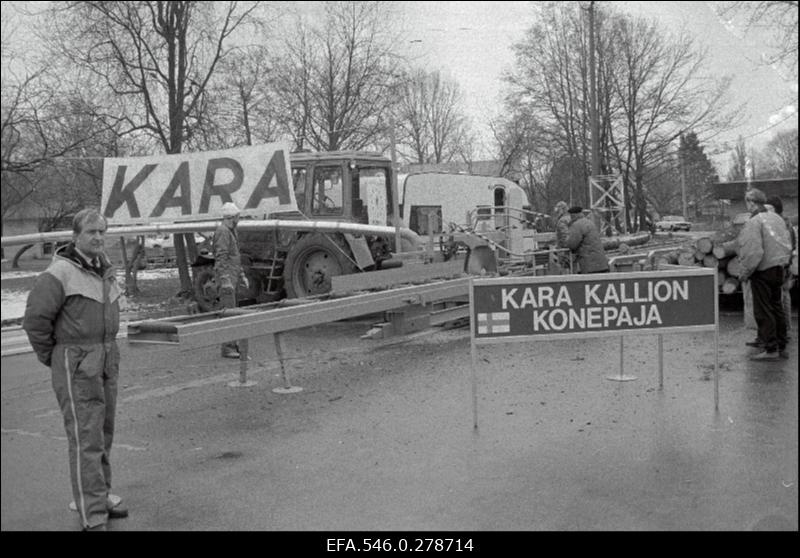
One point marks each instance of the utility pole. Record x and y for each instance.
(595, 132)
(682, 164)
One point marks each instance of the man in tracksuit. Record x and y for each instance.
(72, 320)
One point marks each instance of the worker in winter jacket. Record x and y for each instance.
(764, 248)
(228, 266)
(72, 320)
(584, 240)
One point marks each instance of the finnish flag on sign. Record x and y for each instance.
(494, 322)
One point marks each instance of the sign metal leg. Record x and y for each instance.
(660, 361)
(622, 377)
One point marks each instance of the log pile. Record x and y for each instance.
(717, 251)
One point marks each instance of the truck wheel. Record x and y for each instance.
(206, 290)
(311, 263)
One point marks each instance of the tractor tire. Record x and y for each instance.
(312, 262)
(206, 290)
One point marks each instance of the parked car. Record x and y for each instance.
(673, 223)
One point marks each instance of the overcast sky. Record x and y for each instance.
(472, 40)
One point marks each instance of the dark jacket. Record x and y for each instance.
(71, 303)
(584, 240)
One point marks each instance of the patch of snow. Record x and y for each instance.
(14, 300)
(13, 304)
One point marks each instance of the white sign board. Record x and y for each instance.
(193, 186)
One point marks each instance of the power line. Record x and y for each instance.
(782, 120)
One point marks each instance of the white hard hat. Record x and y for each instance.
(229, 209)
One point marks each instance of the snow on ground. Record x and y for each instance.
(13, 300)
(13, 303)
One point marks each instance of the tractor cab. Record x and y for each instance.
(349, 186)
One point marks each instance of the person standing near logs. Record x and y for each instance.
(764, 250)
(776, 204)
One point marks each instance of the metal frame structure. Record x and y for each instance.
(609, 204)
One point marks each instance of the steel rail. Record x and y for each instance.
(211, 226)
(201, 331)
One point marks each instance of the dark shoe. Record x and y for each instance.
(755, 343)
(765, 356)
(113, 501)
(101, 527)
(117, 512)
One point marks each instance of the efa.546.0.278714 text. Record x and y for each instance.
(400, 544)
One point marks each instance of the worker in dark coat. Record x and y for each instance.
(584, 240)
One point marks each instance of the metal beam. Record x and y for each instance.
(211, 226)
(205, 330)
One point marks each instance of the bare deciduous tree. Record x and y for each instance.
(242, 102)
(649, 84)
(336, 76)
(429, 119)
(779, 17)
(781, 152)
(157, 57)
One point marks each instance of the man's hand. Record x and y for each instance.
(244, 282)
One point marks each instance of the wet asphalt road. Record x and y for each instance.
(381, 437)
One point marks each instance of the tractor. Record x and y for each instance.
(344, 186)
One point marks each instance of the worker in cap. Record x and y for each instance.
(230, 209)
(228, 266)
(585, 242)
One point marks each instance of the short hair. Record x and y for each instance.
(85, 215)
(755, 195)
(776, 203)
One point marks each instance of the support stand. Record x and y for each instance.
(287, 387)
(243, 358)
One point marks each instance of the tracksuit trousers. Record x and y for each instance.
(85, 382)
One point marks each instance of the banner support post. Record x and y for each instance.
(660, 361)
(622, 377)
(473, 353)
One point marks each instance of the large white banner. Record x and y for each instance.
(193, 186)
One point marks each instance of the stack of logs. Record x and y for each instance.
(716, 251)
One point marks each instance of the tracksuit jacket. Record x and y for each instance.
(72, 320)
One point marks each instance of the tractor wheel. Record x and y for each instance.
(311, 263)
(206, 290)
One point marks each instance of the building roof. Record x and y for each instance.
(734, 191)
(304, 156)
